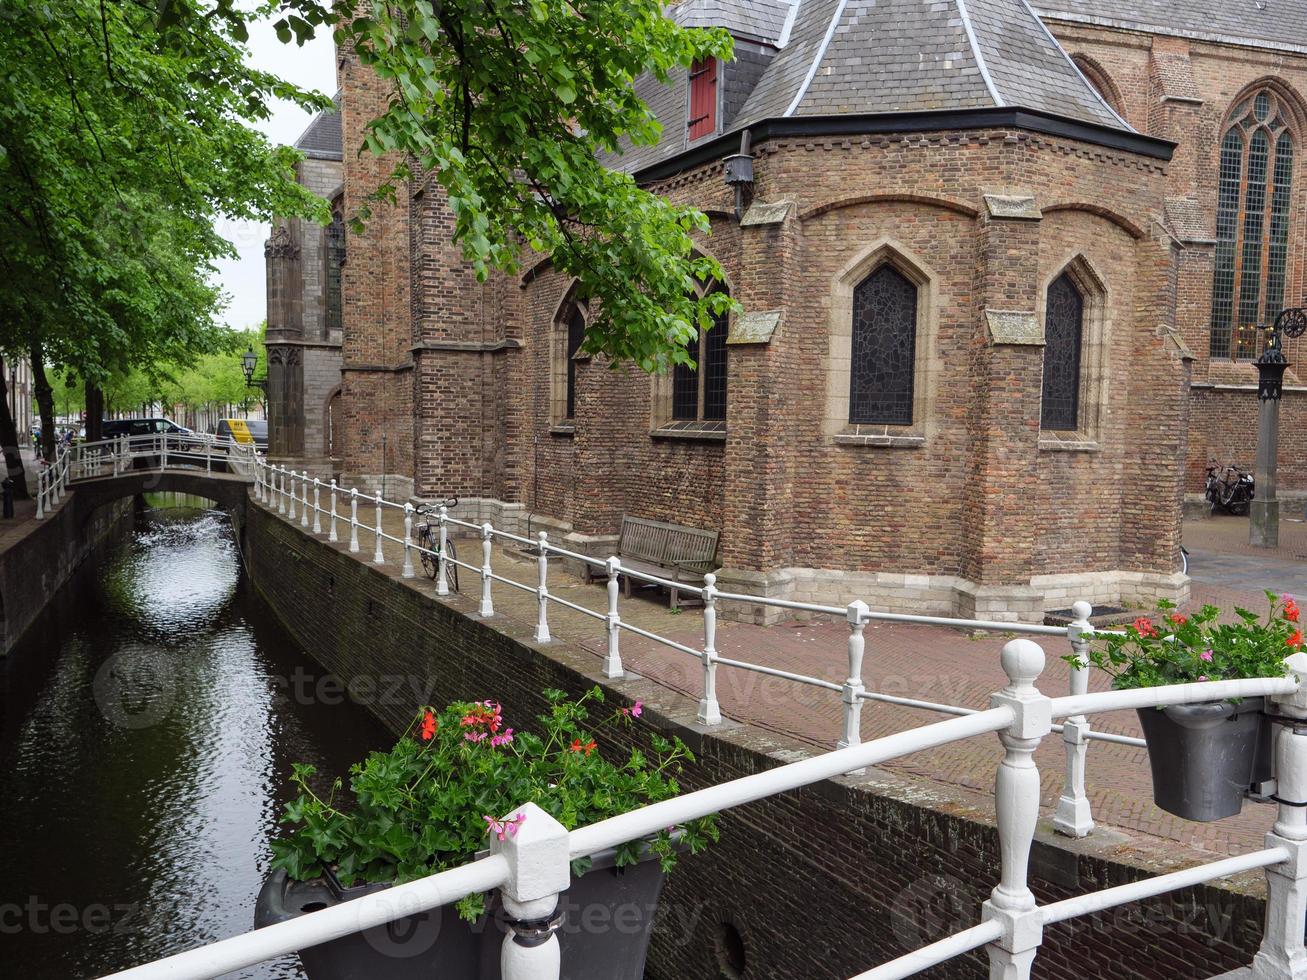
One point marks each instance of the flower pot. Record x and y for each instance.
(608, 918)
(1205, 756)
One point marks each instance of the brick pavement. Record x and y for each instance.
(924, 662)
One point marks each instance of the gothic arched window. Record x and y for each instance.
(335, 259)
(575, 334)
(884, 349)
(1252, 225)
(699, 395)
(1064, 321)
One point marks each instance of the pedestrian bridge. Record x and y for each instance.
(220, 470)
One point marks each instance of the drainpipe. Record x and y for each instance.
(739, 172)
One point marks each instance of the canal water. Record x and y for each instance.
(147, 738)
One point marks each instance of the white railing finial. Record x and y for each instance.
(851, 695)
(1073, 817)
(710, 710)
(613, 656)
(536, 847)
(487, 608)
(542, 588)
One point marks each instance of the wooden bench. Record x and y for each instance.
(670, 551)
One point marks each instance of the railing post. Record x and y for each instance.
(613, 658)
(163, 451)
(40, 490)
(710, 712)
(331, 532)
(538, 870)
(1282, 955)
(208, 457)
(304, 489)
(856, 614)
(442, 574)
(378, 556)
(294, 497)
(354, 519)
(1016, 803)
(1073, 817)
(317, 506)
(281, 489)
(487, 607)
(542, 589)
(407, 570)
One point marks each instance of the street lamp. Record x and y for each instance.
(1264, 512)
(249, 361)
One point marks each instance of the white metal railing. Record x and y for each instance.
(532, 868)
(290, 493)
(159, 451)
(52, 480)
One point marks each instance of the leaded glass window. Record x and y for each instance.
(884, 350)
(575, 334)
(335, 259)
(1252, 226)
(1064, 321)
(699, 394)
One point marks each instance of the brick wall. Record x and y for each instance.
(1184, 91)
(820, 883)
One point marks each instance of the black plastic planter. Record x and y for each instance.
(1205, 756)
(608, 918)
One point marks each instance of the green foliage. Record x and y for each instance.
(511, 107)
(430, 803)
(123, 149)
(1180, 649)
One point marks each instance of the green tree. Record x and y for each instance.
(124, 144)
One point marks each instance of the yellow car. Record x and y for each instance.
(245, 431)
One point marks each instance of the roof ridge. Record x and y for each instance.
(818, 56)
(977, 53)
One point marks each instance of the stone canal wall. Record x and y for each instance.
(820, 883)
(43, 555)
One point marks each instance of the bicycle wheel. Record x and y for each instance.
(427, 553)
(1184, 560)
(451, 569)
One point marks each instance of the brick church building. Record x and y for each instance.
(1001, 271)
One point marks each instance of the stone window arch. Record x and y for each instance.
(1074, 387)
(1254, 202)
(1097, 76)
(566, 335)
(881, 333)
(693, 399)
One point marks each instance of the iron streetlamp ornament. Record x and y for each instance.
(1264, 512)
(249, 361)
(1272, 364)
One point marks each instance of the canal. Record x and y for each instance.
(148, 731)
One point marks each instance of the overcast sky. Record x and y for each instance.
(312, 66)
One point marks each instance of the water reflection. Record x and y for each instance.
(144, 757)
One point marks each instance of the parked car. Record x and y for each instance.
(245, 431)
(113, 428)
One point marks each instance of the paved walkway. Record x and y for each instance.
(924, 662)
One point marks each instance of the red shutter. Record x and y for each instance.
(703, 98)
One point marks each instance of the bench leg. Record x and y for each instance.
(674, 595)
(626, 585)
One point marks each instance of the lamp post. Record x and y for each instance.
(1264, 512)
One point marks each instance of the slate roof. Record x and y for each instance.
(854, 57)
(322, 139)
(761, 20)
(866, 57)
(1269, 23)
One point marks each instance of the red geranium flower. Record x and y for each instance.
(1291, 611)
(429, 726)
(578, 747)
(1178, 619)
(1294, 641)
(1144, 627)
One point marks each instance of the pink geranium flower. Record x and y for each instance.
(1206, 655)
(505, 828)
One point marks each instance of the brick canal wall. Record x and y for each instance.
(820, 883)
(43, 558)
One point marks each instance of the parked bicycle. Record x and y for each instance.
(1233, 493)
(428, 535)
